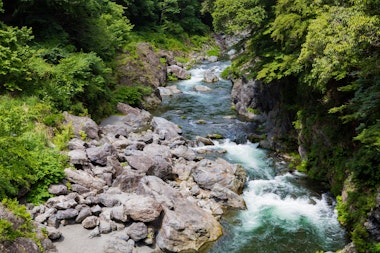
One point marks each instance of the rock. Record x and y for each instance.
(349, 248)
(98, 155)
(188, 229)
(141, 163)
(78, 157)
(79, 188)
(77, 144)
(119, 213)
(53, 233)
(185, 226)
(210, 77)
(208, 173)
(184, 152)
(127, 109)
(105, 226)
(183, 168)
(90, 222)
(135, 120)
(44, 216)
(178, 72)
(82, 126)
(142, 208)
(212, 58)
(108, 200)
(169, 90)
(201, 88)
(117, 245)
(128, 181)
(137, 231)
(94, 233)
(58, 189)
(67, 214)
(70, 203)
(83, 214)
(203, 140)
(227, 197)
(20, 245)
(85, 179)
(166, 129)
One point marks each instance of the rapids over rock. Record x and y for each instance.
(286, 212)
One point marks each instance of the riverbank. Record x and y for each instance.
(136, 180)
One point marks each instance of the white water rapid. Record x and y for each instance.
(286, 212)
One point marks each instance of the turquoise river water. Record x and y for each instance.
(286, 212)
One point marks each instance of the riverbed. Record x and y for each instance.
(286, 212)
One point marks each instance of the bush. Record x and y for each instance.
(26, 160)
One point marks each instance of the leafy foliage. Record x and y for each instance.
(27, 163)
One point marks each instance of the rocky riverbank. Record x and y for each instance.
(136, 185)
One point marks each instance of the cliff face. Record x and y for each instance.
(265, 103)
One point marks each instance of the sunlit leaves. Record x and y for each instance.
(232, 16)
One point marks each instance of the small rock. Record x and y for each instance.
(94, 233)
(83, 214)
(53, 233)
(137, 231)
(90, 222)
(67, 214)
(58, 189)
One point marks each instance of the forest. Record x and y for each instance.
(60, 55)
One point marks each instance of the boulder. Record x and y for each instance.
(53, 233)
(178, 72)
(58, 189)
(134, 120)
(227, 198)
(105, 226)
(78, 157)
(20, 245)
(82, 126)
(185, 226)
(128, 181)
(90, 222)
(141, 163)
(98, 155)
(165, 129)
(83, 214)
(67, 214)
(208, 173)
(210, 77)
(77, 143)
(119, 213)
(137, 231)
(84, 178)
(108, 200)
(184, 152)
(142, 208)
(201, 88)
(169, 90)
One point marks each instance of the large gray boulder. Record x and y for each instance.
(84, 178)
(165, 129)
(227, 198)
(178, 72)
(133, 120)
(82, 126)
(137, 231)
(208, 173)
(99, 155)
(142, 208)
(185, 226)
(210, 77)
(78, 157)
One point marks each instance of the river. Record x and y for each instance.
(286, 212)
